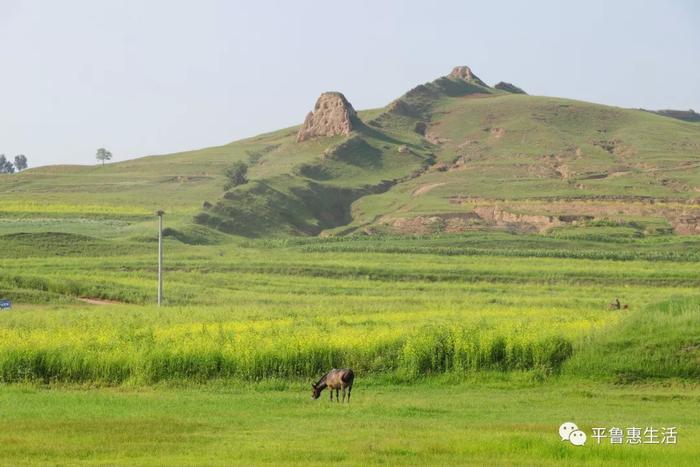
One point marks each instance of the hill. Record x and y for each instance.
(448, 156)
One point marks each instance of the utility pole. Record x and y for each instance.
(160, 213)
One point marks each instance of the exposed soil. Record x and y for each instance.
(540, 216)
(99, 301)
(435, 138)
(497, 132)
(426, 188)
(449, 223)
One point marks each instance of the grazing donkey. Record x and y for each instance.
(334, 379)
(616, 305)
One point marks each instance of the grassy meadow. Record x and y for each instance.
(490, 420)
(468, 348)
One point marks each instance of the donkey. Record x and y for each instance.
(616, 305)
(334, 379)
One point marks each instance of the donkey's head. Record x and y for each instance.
(316, 392)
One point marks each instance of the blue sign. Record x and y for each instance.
(5, 304)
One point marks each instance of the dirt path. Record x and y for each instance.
(426, 188)
(98, 301)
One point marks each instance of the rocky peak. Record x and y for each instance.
(465, 73)
(332, 115)
(462, 72)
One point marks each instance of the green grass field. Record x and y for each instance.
(469, 349)
(490, 420)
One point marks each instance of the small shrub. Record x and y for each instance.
(236, 175)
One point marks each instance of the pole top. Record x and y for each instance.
(160, 212)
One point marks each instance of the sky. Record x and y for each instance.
(143, 77)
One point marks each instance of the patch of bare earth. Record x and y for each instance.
(540, 216)
(434, 138)
(497, 132)
(683, 217)
(467, 142)
(98, 301)
(426, 188)
(448, 223)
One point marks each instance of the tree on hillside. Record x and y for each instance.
(6, 167)
(103, 155)
(236, 175)
(20, 162)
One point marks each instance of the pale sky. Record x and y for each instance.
(154, 77)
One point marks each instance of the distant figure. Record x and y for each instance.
(615, 305)
(334, 379)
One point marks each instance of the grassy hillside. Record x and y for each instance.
(660, 342)
(527, 162)
(448, 156)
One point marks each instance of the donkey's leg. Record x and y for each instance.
(344, 393)
(349, 391)
(337, 395)
(331, 391)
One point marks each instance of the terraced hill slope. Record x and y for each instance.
(451, 155)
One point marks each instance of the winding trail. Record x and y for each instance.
(426, 188)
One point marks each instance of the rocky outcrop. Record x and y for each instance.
(465, 73)
(424, 225)
(525, 222)
(508, 87)
(683, 216)
(482, 216)
(332, 115)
